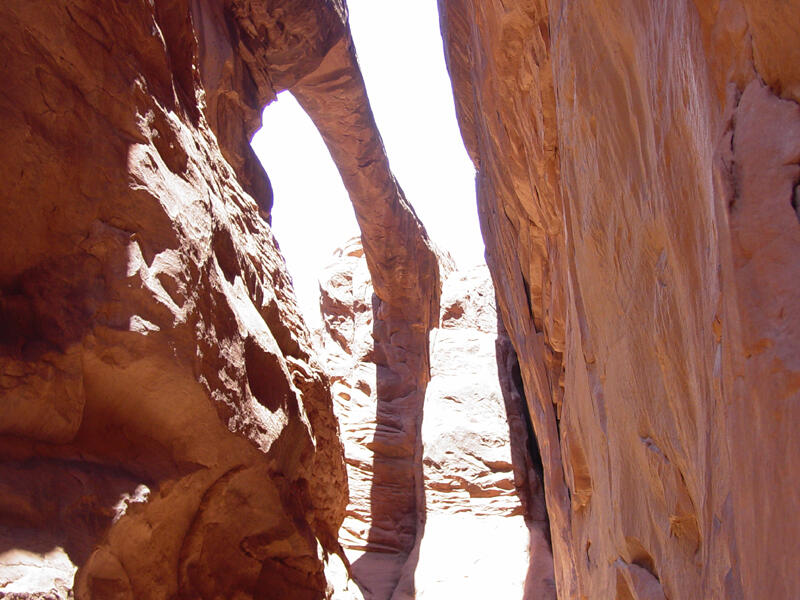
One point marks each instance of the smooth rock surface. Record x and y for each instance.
(638, 165)
(404, 274)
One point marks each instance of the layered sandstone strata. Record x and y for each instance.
(166, 429)
(485, 530)
(638, 166)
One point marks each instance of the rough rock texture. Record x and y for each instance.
(638, 167)
(165, 427)
(484, 520)
(345, 348)
(467, 452)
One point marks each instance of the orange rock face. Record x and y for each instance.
(166, 429)
(638, 168)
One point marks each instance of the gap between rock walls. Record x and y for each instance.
(167, 429)
(405, 504)
(473, 447)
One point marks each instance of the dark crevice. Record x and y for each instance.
(529, 475)
(527, 288)
(528, 468)
(533, 446)
(730, 163)
(639, 556)
(733, 173)
(226, 254)
(173, 19)
(795, 200)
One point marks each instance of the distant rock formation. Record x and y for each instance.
(483, 512)
(638, 166)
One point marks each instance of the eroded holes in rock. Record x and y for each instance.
(225, 253)
(411, 97)
(638, 555)
(795, 202)
(636, 583)
(266, 378)
(311, 213)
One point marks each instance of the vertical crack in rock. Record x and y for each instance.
(528, 471)
(518, 193)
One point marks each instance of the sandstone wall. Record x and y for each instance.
(166, 429)
(638, 167)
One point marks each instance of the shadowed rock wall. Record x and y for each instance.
(638, 166)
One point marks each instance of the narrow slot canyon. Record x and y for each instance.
(472, 452)
(606, 409)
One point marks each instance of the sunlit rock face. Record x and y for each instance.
(166, 430)
(481, 530)
(638, 166)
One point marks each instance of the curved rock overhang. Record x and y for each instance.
(163, 416)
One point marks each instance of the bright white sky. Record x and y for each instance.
(400, 52)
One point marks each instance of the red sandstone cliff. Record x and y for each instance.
(165, 426)
(638, 167)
